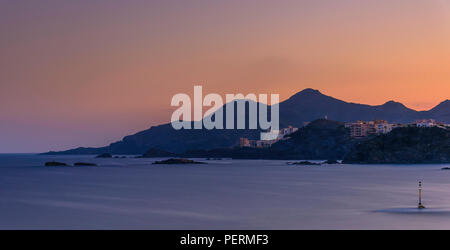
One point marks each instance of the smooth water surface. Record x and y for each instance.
(223, 194)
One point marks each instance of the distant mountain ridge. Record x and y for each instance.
(305, 106)
(310, 104)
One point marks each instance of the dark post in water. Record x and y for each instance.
(420, 206)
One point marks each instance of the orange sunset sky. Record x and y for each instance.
(87, 73)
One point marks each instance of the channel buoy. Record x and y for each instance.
(420, 206)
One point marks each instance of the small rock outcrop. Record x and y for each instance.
(55, 164)
(304, 163)
(104, 155)
(84, 164)
(178, 161)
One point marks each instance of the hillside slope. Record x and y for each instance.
(404, 145)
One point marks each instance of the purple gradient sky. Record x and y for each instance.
(87, 73)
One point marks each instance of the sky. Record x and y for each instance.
(88, 72)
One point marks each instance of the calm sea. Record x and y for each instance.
(223, 194)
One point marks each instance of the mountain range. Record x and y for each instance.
(305, 106)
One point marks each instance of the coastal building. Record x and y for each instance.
(287, 131)
(383, 127)
(264, 143)
(361, 129)
(268, 139)
(426, 123)
(244, 142)
(430, 123)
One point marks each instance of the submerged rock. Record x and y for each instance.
(213, 159)
(84, 164)
(104, 155)
(55, 164)
(305, 163)
(178, 161)
(331, 162)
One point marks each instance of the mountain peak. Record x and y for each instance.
(442, 107)
(392, 103)
(307, 93)
(393, 106)
(310, 91)
(311, 96)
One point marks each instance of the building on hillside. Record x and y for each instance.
(287, 131)
(244, 142)
(361, 129)
(264, 143)
(426, 123)
(268, 139)
(384, 127)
